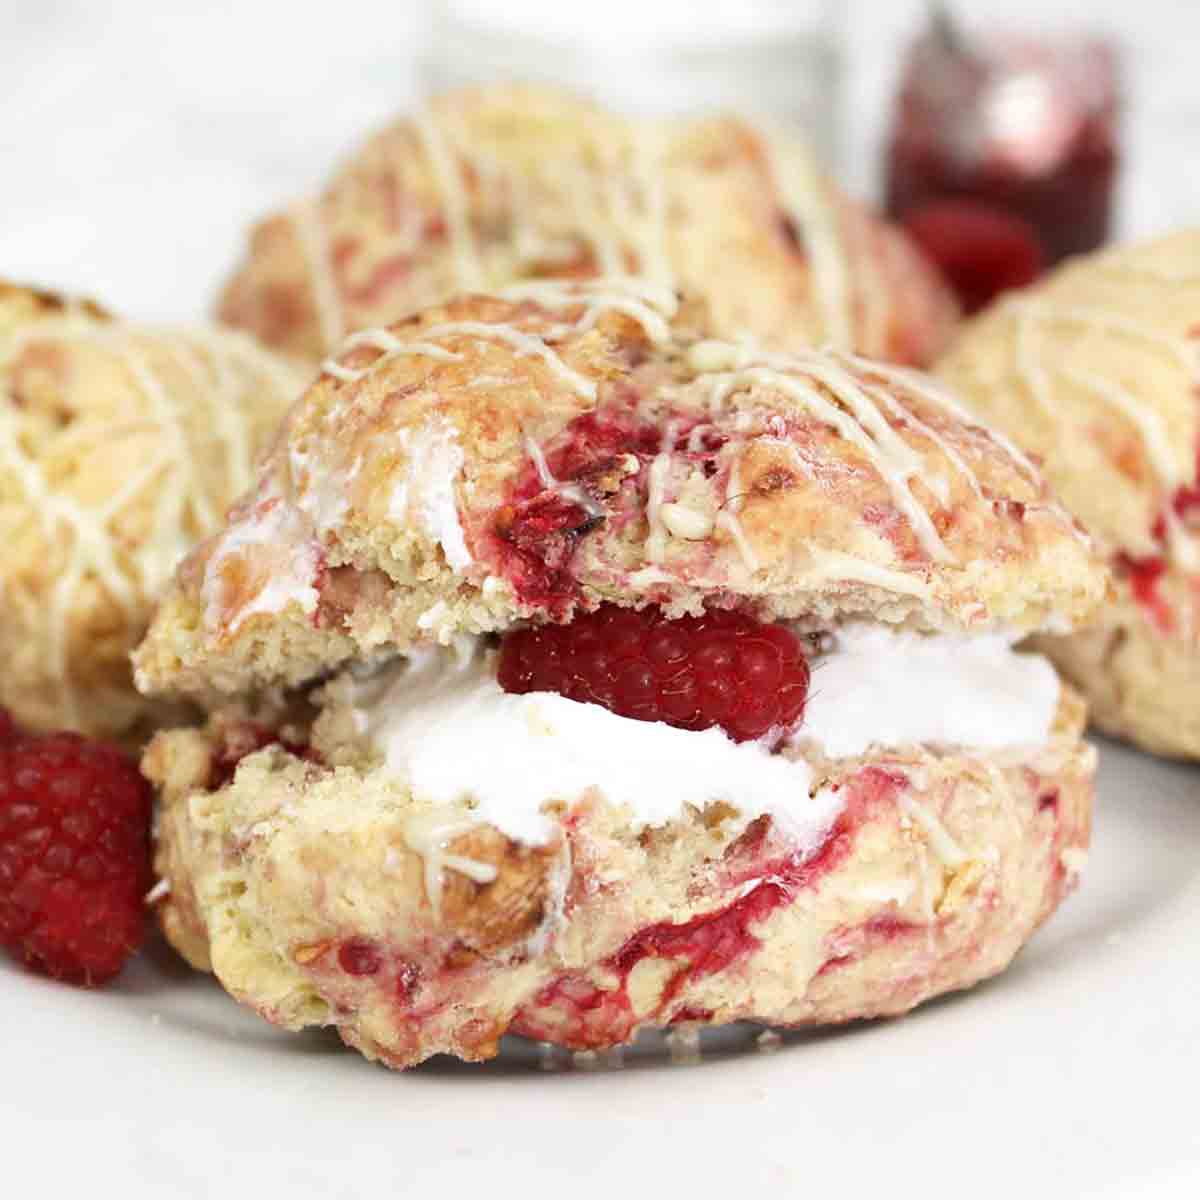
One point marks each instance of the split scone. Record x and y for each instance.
(582, 676)
(119, 448)
(496, 185)
(1097, 371)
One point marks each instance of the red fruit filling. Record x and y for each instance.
(1144, 575)
(982, 251)
(74, 855)
(243, 740)
(535, 535)
(573, 1011)
(358, 956)
(722, 669)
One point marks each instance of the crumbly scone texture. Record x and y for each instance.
(494, 185)
(297, 884)
(1142, 682)
(119, 448)
(1096, 372)
(515, 458)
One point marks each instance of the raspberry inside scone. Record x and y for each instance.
(1096, 370)
(581, 675)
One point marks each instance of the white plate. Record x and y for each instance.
(1073, 1075)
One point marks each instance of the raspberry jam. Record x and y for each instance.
(590, 476)
(1027, 127)
(573, 1011)
(1144, 575)
(721, 669)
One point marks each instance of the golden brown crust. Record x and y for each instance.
(21, 304)
(504, 459)
(495, 185)
(119, 447)
(316, 899)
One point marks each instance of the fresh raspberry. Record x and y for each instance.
(74, 856)
(982, 251)
(720, 669)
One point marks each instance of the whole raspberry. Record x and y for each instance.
(74, 856)
(720, 669)
(982, 251)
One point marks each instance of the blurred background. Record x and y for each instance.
(138, 140)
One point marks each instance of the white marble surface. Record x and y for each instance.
(137, 140)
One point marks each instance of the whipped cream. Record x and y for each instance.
(276, 535)
(885, 687)
(426, 493)
(446, 727)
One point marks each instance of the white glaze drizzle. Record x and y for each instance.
(573, 492)
(928, 389)
(837, 566)
(427, 835)
(525, 344)
(389, 346)
(311, 233)
(816, 223)
(656, 485)
(468, 271)
(943, 845)
(222, 370)
(1184, 546)
(1155, 440)
(727, 518)
(648, 303)
(859, 422)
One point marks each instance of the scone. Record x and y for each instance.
(1096, 371)
(496, 185)
(119, 448)
(582, 675)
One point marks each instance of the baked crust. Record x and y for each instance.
(495, 185)
(514, 458)
(320, 894)
(1095, 372)
(119, 447)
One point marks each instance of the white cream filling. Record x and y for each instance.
(444, 726)
(426, 493)
(883, 687)
(272, 523)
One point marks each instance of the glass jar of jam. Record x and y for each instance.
(1024, 125)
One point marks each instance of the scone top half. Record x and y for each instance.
(523, 456)
(426, 856)
(491, 185)
(1096, 372)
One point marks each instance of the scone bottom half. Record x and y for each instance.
(572, 675)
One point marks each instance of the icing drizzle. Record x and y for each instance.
(223, 372)
(1035, 371)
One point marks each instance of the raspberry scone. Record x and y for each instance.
(1097, 371)
(582, 675)
(496, 185)
(119, 448)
